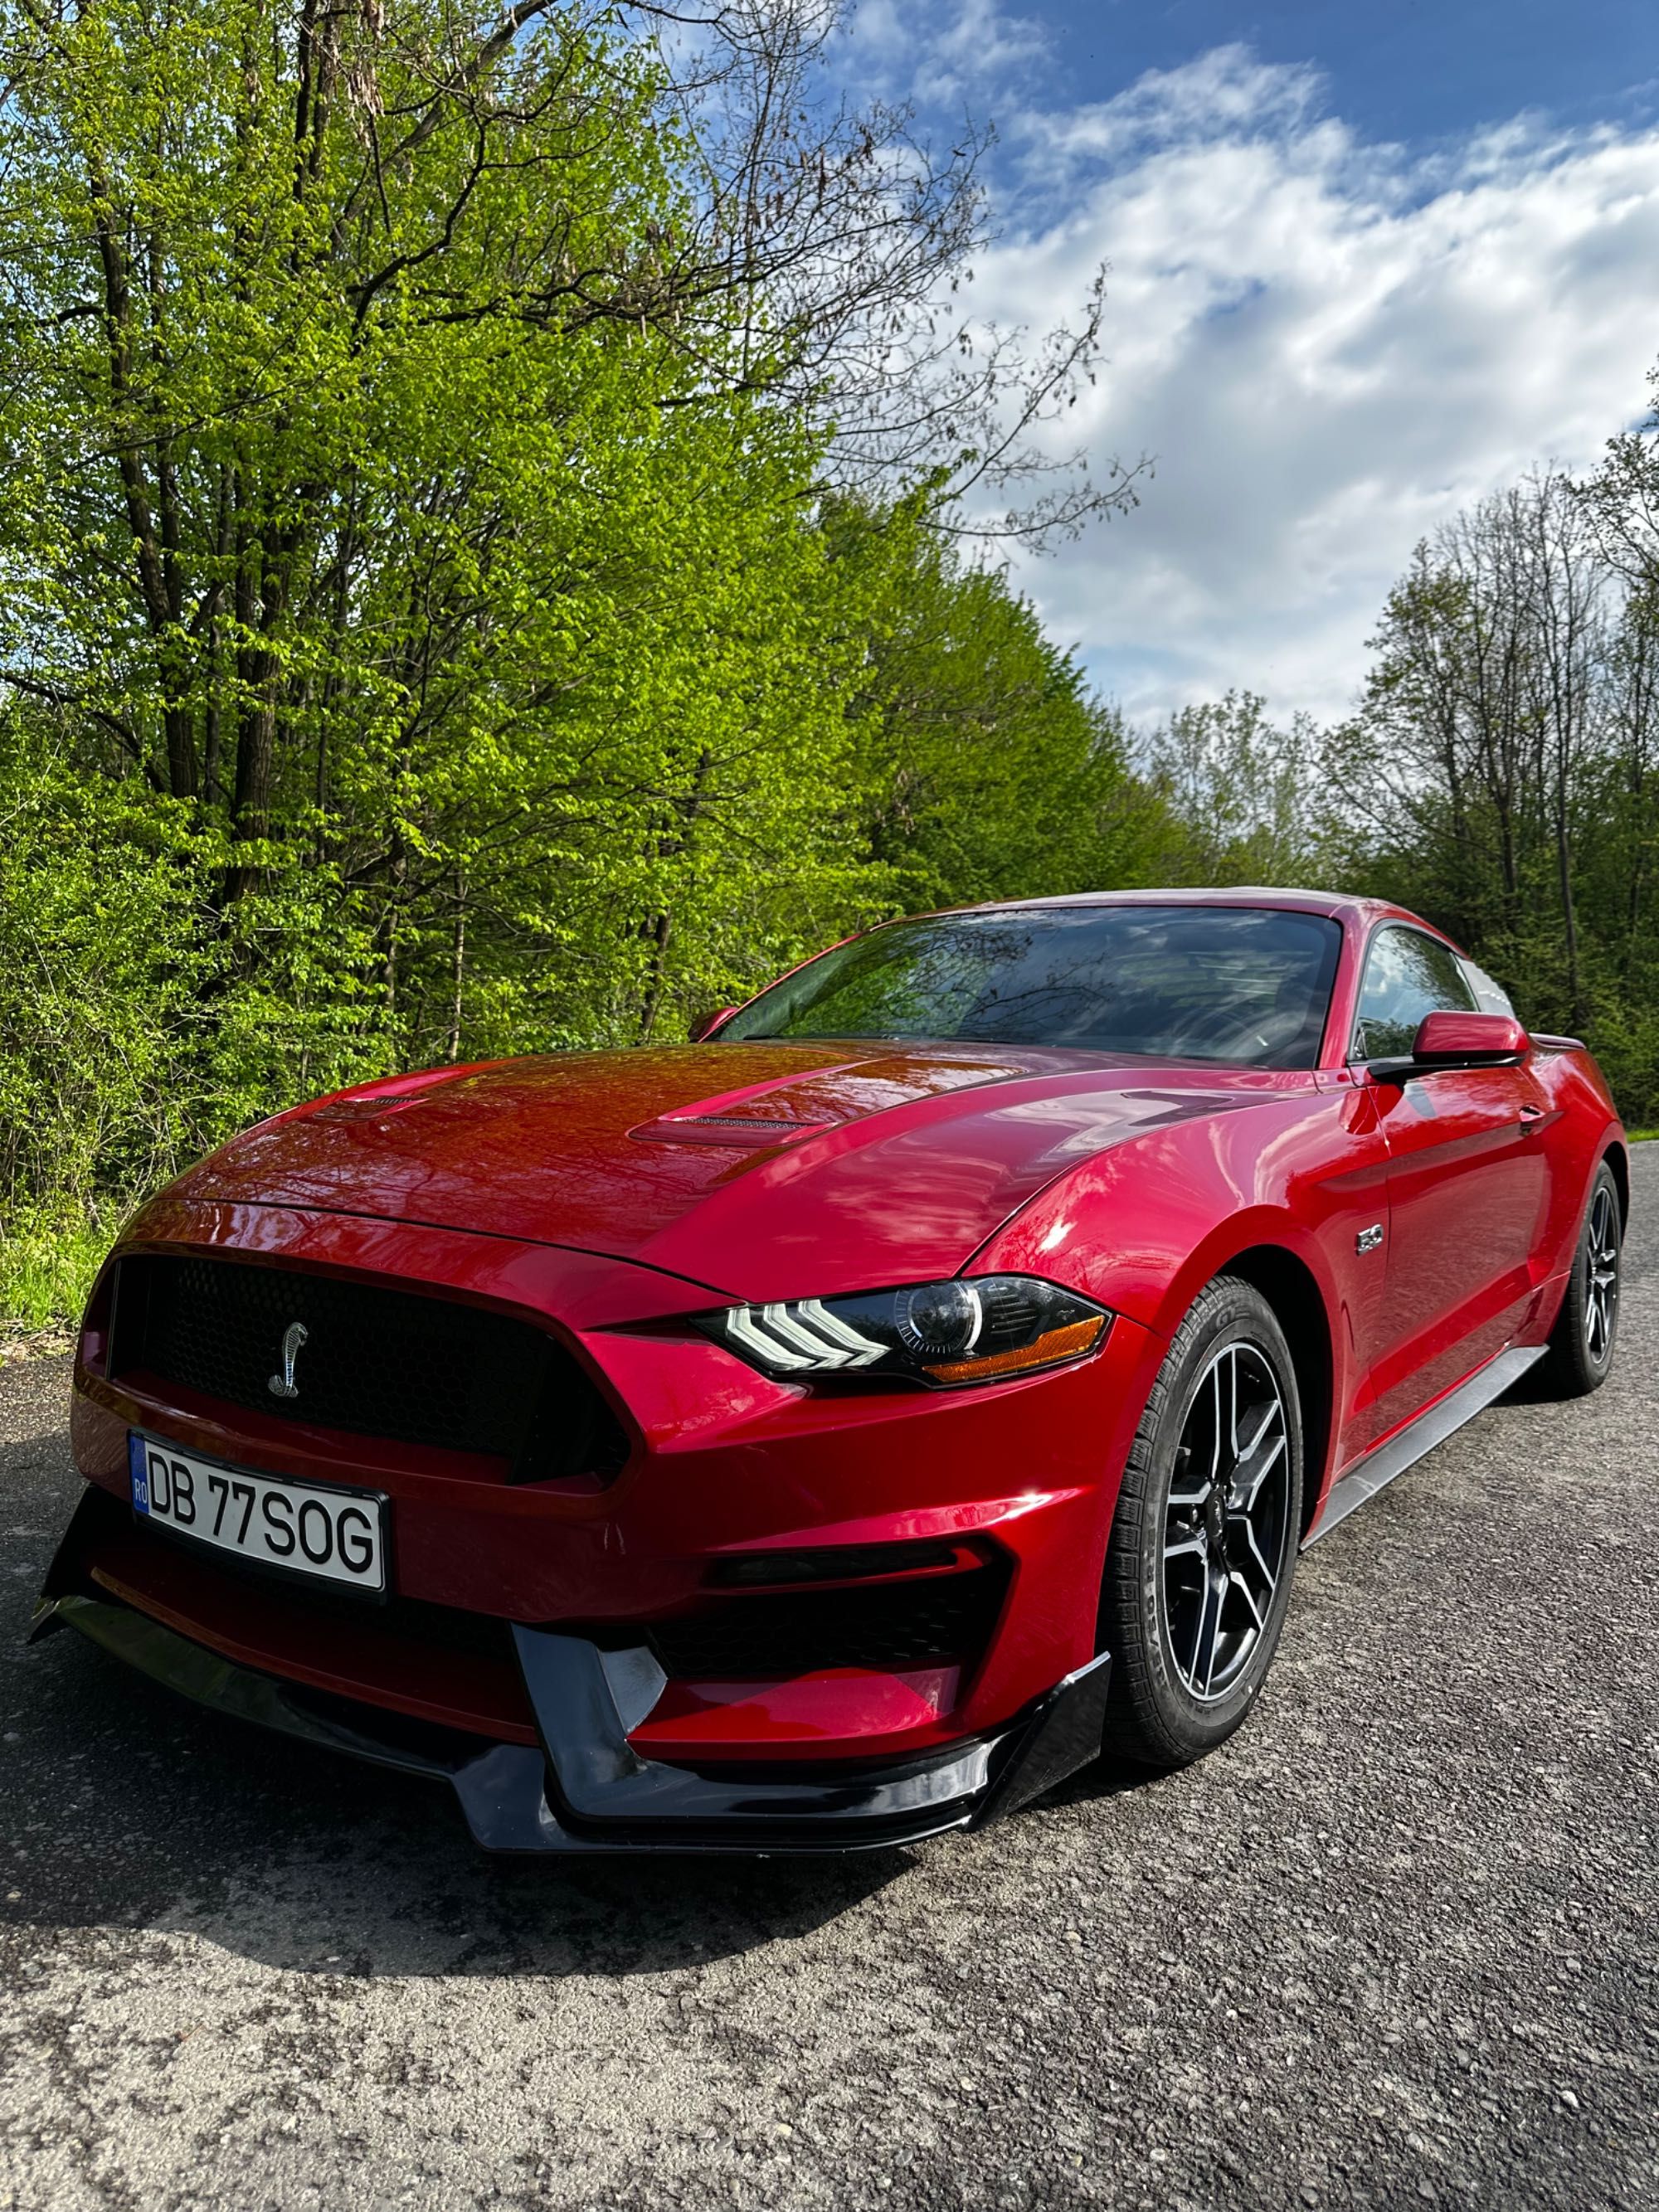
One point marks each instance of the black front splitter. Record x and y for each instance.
(585, 1789)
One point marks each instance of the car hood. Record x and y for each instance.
(762, 1170)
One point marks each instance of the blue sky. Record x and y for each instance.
(1368, 262)
(1397, 70)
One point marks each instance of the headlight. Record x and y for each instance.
(961, 1331)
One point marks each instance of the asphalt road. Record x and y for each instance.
(1395, 1945)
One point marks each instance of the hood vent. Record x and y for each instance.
(365, 1109)
(736, 1130)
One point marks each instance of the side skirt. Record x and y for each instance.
(1406, 1446)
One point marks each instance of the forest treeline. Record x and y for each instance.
(501, 528)
(1500, 770)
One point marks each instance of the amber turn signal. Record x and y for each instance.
(1054, 1343)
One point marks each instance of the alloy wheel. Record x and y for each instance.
(1226, 1521)
(1601, 1276)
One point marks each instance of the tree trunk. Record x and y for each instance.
(660, 930)
(458, 970)
(256, 758)
(261, 596)
(1569, 920)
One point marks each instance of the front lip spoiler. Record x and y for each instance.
(586, 1790)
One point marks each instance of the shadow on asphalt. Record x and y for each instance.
(1534, 1387)
(136, 1809)
(145, 1812)
(125, 1806)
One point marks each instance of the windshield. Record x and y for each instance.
(1247, 985)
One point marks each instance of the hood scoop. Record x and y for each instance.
(757, 1170)
(740, 1132)
(365, 1109)
(377, 1102)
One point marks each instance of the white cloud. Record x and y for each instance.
(941, 53)
(1328, 346)
(1226, 90)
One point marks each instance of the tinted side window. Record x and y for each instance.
(1407, 976)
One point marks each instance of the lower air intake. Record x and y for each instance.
(888, 1628)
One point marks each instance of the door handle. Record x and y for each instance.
(1529, 1114)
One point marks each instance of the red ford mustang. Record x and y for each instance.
(835, 1431)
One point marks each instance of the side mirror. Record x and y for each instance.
(706, 1024)
(1453, 1039)
(1448, 1040)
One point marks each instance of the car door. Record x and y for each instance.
(1466, 1182)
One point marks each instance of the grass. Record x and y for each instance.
(47, 1261)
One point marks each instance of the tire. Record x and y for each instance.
(1174, 1695)
(1586, 1331)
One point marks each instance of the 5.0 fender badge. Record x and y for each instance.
(283, 1385)
(1367, 1241)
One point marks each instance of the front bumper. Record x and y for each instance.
(585, 1789)
(724, 1465)
(877, 1708)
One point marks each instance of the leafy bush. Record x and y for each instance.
(48, 1261)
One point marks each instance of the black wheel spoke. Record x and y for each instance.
(1222, 1421)
(1252, 1567)
(1257, 1612)
(1206, 1636)
(1226, 1519)
(1260, 1462)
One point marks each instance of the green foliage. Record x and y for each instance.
(1237, 794)
(102, 962)
(428, 630)
(134, 1031)
(989, 770)
(48, 1258)
(434, 622)
(1502, 775)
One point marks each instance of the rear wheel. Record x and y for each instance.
(1587, 1328)
(1203, 1544)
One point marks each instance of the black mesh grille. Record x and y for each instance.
(374, 1361)
(888, 1627)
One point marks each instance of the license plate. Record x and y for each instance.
(337, 1536)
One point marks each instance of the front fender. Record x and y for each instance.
(1145, 1225)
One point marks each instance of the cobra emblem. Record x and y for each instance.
(283, 1385)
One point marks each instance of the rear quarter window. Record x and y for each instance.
(1490, 998)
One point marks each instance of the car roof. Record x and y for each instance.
(1340, 906)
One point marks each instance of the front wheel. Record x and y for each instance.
(1203, 1543)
